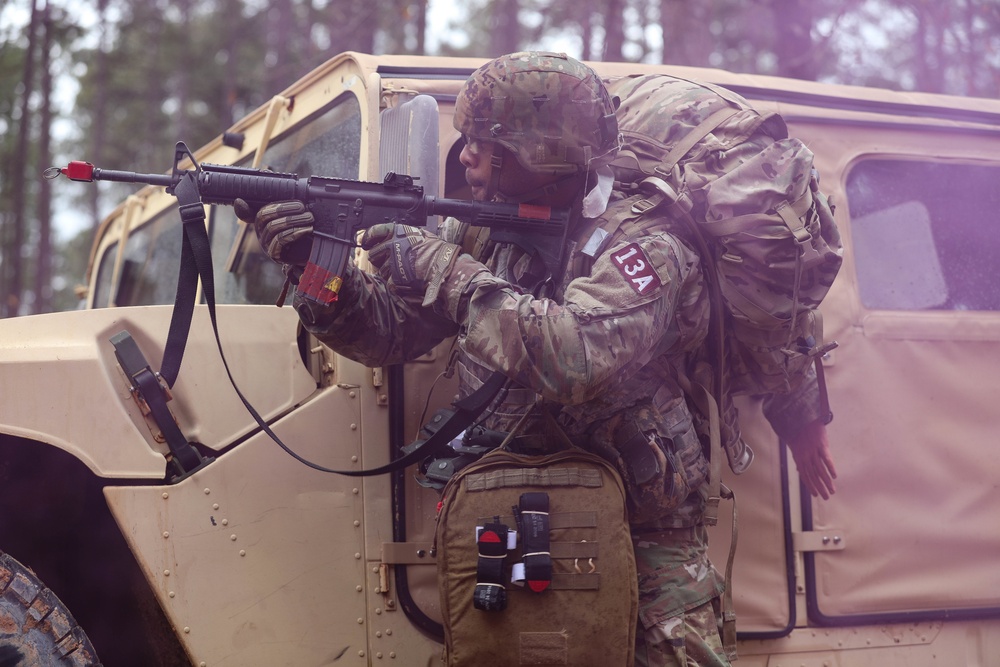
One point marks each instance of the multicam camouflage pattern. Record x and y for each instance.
(551, 111)
(598, 352)
(604, 353)
(690, 640)
(753, 193)
(678, 625)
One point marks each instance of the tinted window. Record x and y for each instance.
(926, 234)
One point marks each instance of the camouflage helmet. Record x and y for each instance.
(550, 111)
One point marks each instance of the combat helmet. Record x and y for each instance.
(549, 110)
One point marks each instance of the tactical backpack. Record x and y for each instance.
(700, 161)
(535, 563)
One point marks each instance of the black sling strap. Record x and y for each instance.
(196, 260)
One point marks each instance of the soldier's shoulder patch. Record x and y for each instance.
(634, 265)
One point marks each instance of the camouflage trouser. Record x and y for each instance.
(678, 626)
(690, 640)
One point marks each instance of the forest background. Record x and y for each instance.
(118, 82)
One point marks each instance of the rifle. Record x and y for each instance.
(341, 208)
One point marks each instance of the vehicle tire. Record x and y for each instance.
(36, 629)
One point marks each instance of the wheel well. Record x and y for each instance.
(54, 519)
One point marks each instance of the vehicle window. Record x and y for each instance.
(105, 271)
(329, 144)
(925, 234)
(150, 263)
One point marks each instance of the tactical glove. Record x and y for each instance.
(283, 228)
(412, 257)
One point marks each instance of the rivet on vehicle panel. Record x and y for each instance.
(171, 594)
(361, 621)
(392, 655)
(232, 537)
(187, 629)
(356, 523)
(354, 427)
(378, 634)
(361, 654)
(166, 573)
(378, 611)
(202, 664)
(243, 552)
(826, 540)
(215, 506)
(359, 588)
(836, 539)
(389, 631)
(208, 491)
(378, 589)
(225, 522)
(421, 553)
(375, 569)
(357, 556)
(354, 491)
(352, 394)
(378, 655)
(165, 495)
(354, 459)
(166, 534)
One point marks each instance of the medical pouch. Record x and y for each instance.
(569, 581)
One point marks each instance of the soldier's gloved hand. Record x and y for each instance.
(283, 228)
(412, 257)
(420, 260)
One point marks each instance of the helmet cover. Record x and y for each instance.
(551, 111)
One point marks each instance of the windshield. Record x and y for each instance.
(326, 144)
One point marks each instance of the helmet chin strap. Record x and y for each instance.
(494, 193)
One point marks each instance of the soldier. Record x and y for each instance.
(596, 348)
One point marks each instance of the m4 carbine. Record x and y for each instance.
(341, 208)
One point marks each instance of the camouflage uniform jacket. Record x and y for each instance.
(599, 353)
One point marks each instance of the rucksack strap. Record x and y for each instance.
(665, 166)
(716, 491)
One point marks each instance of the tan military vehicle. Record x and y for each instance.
(249, 557)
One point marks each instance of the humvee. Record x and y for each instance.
(253, 558)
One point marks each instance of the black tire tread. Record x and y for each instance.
(36, 628)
